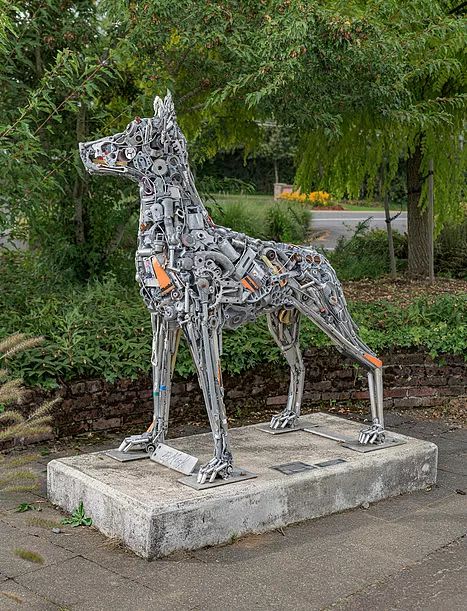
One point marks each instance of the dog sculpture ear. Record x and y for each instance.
(157, 104)
(169, 108)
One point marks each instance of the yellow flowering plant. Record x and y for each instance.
(317, 198)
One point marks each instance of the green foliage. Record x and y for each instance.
(430, 55)
(288, 222)
(365, 254)
(78, 517)
(22, 507)
(262, 217)
(103, 331)
(237, 216)
(215, 184)
(451, 250)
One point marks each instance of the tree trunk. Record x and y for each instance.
(417, 219)
(276, 171)
(79, 184)
(384, 191)
(431, 219)
(392, 257)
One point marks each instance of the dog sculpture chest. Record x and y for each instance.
(199, 278)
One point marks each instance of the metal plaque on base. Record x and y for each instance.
(238, 475)
(126, 456)
(390, 442)
(174, 459)
(291, 468)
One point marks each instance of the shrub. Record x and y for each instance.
(236, 216)
(277, 221)
(215, 184)
(365, 254)
(451, 251)
(288, 223)
(317, 198)
(103, 330)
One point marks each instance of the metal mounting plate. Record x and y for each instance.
(330, 463)
(291, 468)
(126, 456)
(372, 447)
(238, 475)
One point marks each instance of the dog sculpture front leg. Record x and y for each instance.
(204, 339)
(165, 339)
(284, 327)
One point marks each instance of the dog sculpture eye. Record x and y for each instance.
(107, 148)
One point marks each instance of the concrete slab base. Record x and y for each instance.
(143, 504)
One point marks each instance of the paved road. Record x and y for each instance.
(405, 553)
(331, 225)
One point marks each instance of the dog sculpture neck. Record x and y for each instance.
(169, 199)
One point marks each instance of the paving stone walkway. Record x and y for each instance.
(406, 553)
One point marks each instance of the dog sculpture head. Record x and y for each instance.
(140, 151)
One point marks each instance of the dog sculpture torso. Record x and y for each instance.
(200, 278)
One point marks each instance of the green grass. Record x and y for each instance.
(259, 204)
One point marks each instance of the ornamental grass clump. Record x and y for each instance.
(15, 427)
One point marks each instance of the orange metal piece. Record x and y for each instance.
(373, 359)
(161, 274)
(249, 284)
(151, 426)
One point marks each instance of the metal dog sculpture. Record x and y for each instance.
(200, 278)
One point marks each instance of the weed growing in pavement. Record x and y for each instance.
(26, 554)
(78, 517)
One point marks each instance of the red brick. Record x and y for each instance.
(323, 385)
(451, 391)
(312, 396)
(396, 392)
(424, 391)
(361, 394)
(280, 400)
(436, 381)
(106, 423)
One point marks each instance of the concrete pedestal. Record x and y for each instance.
(143, 503)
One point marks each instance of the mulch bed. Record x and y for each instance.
(401, 291)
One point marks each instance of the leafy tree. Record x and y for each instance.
(278, 143)
(365, 80)
(428, 127)
(57, 67)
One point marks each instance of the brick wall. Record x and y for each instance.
(411, 380)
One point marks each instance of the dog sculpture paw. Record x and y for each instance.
(373, 434)
(284, 420)
(146, 441)
(216, 467)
